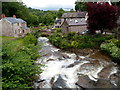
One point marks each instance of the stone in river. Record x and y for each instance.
(105, 72)
(60, 83)
(85, 82)
(102, 83)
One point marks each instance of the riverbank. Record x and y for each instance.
(86, 44)
(18, 61)
(64, 69)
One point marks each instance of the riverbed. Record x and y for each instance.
(65, 69)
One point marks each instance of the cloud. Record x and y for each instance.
(52, 4)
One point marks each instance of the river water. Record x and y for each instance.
(69, 70)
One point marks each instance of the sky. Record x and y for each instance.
(50, 4)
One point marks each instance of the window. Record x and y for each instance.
(23, 31)
(76, 21)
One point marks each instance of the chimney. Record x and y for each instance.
(14, 16)
(3, 16)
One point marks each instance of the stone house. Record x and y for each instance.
(74, 22)
(12, 26)
(57, 23)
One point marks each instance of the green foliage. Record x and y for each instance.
(30, 39)
(18, 64)
(21, 11)
(70, 35)
(72, 40)
(80, 6)
(111, 47)
(60, 12)
(48, 19)
(58, 30)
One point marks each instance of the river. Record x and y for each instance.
(69, 70)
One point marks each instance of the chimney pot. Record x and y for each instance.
(3, 16)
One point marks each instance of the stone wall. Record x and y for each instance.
(77, 29)
(6, 28)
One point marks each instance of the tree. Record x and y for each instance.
(47, 19)
(80, 6)
(60, 12)
(71, 10)
(102, 16)
(116, 4)
(21, 11)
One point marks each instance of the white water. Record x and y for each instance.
(55, 67)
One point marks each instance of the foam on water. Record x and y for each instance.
(57, 67)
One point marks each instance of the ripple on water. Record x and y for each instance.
(66, 67)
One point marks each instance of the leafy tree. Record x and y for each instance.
(102, 16)
(60, 12)
(47, 19)
(80, 6)
(71, 10)
(20, 10)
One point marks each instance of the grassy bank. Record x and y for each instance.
(18, 61)
(112, 47)
(106, 43)
(72, 40)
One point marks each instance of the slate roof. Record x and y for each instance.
(15, 20)
(57, 21)
(73, 22)
(24, 27)
(74, 15)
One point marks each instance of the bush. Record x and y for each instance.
(70, 35)
(111, 47)
(58, 30)
(35, 32)
(30, 39)
(74, 44)
(18, 64)
(72, 40)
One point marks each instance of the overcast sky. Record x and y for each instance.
(50, 4)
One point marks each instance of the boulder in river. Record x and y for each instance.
(116, 79)
(103, 83)
(90, 66)
(105, 72)
(60, 83)
(85, 82)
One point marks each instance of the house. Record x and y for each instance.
(12, 26)
(57, 23)
(74, 22)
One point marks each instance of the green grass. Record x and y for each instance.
(18, 61)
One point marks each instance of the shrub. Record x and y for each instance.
(30, 39)
(18, 64)
(72, 40)
(111, 47)
(74, 44)
(64, 44)
(70, 35)
(58, 30)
